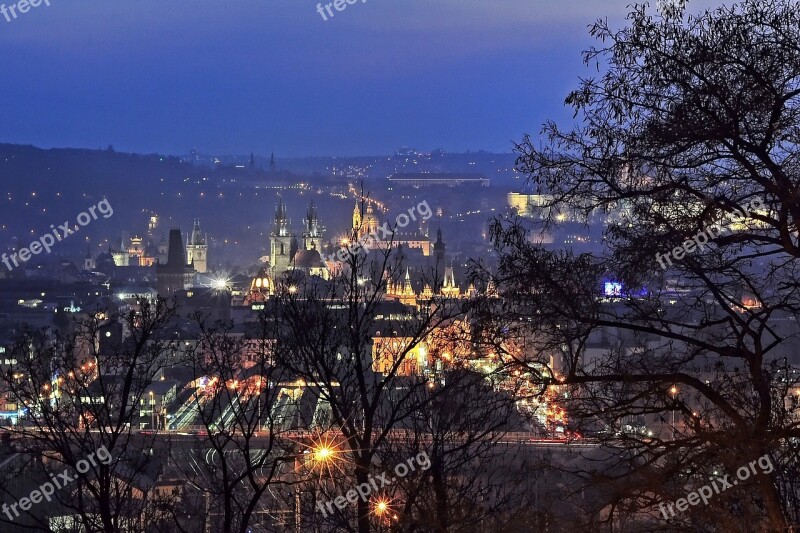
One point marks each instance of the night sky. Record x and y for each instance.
(271, 75)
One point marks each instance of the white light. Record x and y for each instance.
(220, 284)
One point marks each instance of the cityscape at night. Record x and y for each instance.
(371, 266)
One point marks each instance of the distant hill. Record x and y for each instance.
(234, 200)
(46, 185)
(497, 167)
(43, 187)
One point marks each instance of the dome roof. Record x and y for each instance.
(262, 282)
(308, 259)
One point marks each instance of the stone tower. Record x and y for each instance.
(197, 249)
(439, 249)
(313, 230)
(176, 275)
(280, 242)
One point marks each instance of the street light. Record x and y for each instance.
(323, 454)
(323, 451)
(381, 506)
(220, 284)
(674, 391)
(383, 511)
(152, 411)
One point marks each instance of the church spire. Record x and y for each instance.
(311, 216)
(439, 249)
(197, 234)
(357, 217)
(280, 212)
(312, 235)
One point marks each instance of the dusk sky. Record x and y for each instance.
(272, 75)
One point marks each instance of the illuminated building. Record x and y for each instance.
(420, 180)
(401, 291)
(282, 242)
(309, 259)
(413, 240)
(152, 225)
(121, 257)
(261, 288)
(449, 287)
(310, 262)
(139, 255)
(527, 204)
(387, 350)
(197, 249)
(368, 225)
(313, 231)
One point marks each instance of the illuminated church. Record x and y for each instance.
(285, 254)
(261, 288)
(282, 242)
(368, 224)
(289, 254)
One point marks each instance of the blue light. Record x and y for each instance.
(612, 288)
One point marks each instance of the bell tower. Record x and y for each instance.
(312, 234)
(357, 217)
(439, 249)
(197, 249)
(280, 241)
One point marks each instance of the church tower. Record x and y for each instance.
(89, 264)
(439, 250)
(357, 217)
(312, 234)
(280, 240)
(406, 293)
(197, 249)
(366, 225)
(370, 222)
(450, 288)
(176, 275)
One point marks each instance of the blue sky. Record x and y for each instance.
(271, 75)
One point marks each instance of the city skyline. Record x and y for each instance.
(399, 266)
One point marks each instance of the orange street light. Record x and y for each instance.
(381, 506)
(323, 454)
